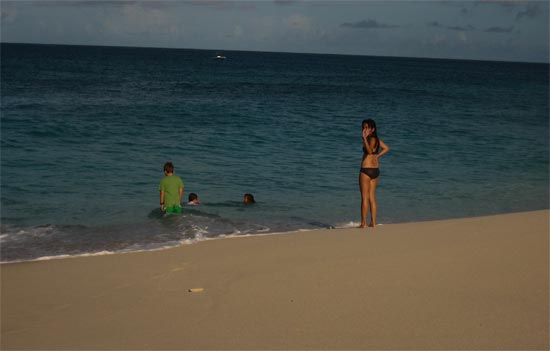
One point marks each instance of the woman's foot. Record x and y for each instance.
(372, 225)
(363, 225)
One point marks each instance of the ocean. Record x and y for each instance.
(86, 130)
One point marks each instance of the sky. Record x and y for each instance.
(501, 30)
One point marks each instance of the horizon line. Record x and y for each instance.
(281, 52)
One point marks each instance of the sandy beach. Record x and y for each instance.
(474, 283)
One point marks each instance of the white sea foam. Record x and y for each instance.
(48, 258)
(350, 224)
(200, 232)
(200, 236)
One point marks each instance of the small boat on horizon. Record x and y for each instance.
(219, 57)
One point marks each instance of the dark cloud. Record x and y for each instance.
(532, 10)
(503, 3)
(84, 3)
(499, 30)
(367, 24)
(152, 4)
(219, 4)
(456, 28)
(148, 4)
(7, 15)
(285, 2)
(467, 28)
(526, 9)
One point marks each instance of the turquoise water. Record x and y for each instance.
(85, 132)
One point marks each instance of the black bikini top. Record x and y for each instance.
(376, 151)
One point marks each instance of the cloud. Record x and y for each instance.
(455, 28)
(151, 4)
(526, 9)
(298, 21)
(219, 4)
(300, 27)
(465, 11)
(436, 24)
(135, 19)
(237, 32)
(532, 10)
(439, 39)
(8, 15)
(499, 29)
(146, 4)
(503, 3)
(285, 2)
(367, 24)
(86, 3)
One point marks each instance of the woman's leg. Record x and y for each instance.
(364, 187)
(372, 202)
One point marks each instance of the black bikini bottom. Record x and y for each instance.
(372, 173)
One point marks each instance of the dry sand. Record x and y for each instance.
(475, 283)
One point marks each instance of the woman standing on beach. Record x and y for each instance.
(368, 176)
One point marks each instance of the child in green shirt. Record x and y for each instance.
(171, 190)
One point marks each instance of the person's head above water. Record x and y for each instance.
(248, 199)
(193, 198)
(168, 167)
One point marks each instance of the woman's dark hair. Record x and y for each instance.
(250, 198)
(193, 196)
(372, 125)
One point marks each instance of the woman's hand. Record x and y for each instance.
(367, 132)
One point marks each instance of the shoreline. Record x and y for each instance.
(474, 283)
(187, 242)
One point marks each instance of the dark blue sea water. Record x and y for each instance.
(85, 132)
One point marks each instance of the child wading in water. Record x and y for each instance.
(249, 199)
(171, 190)
(193, 199)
